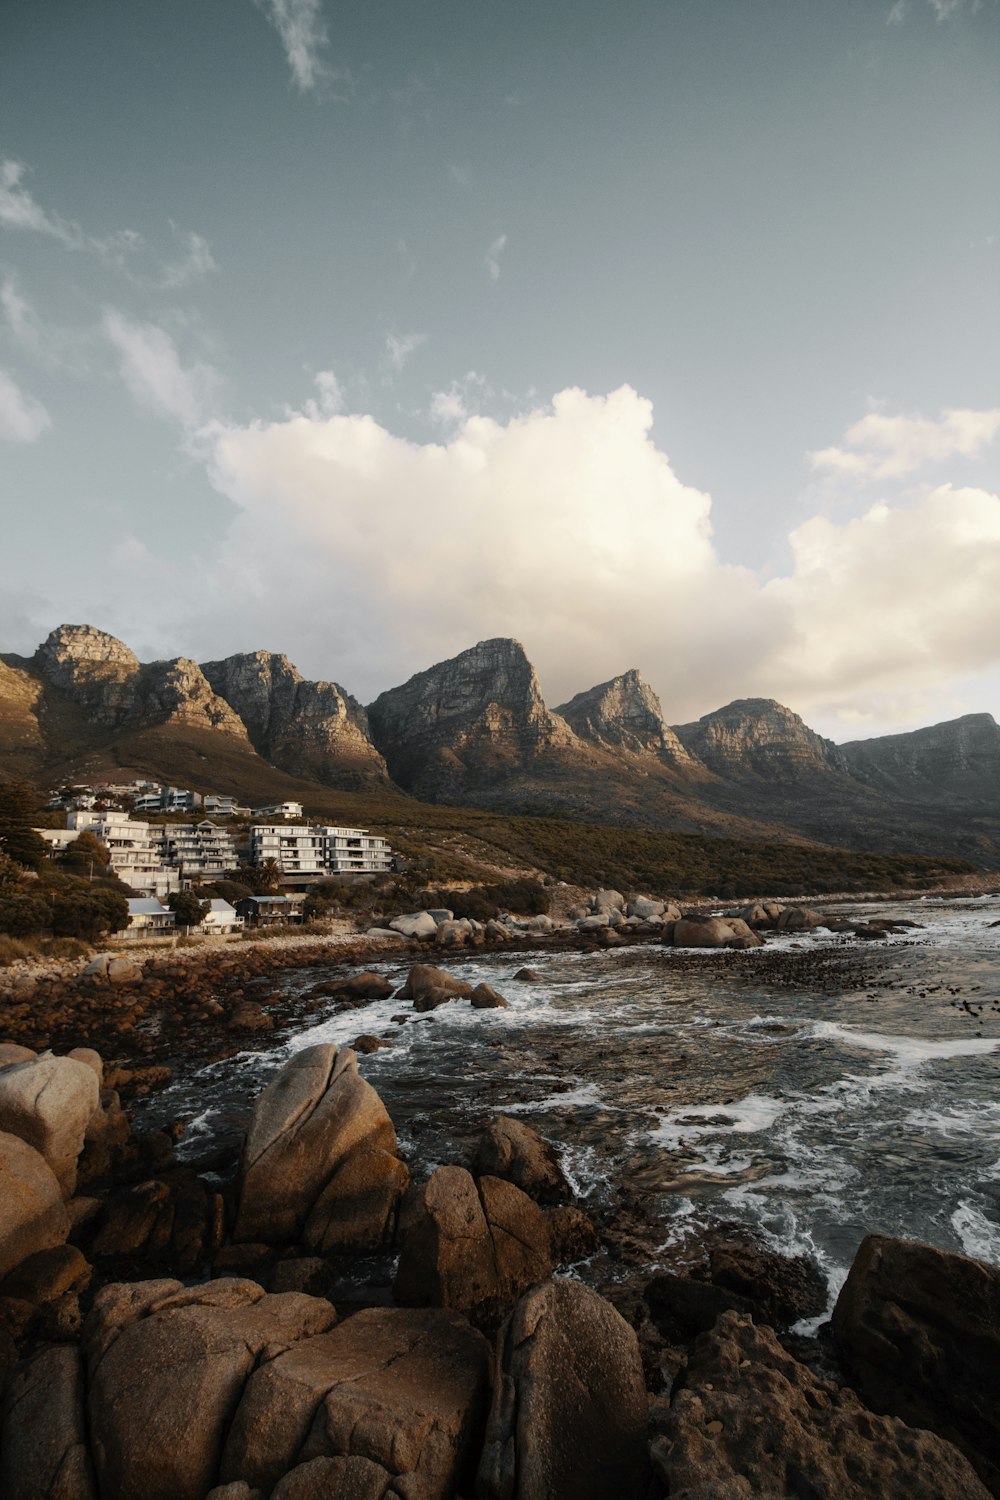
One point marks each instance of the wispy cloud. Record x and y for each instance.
(22, 418)
(889, 447)
(121, 250)
(897, 15)
(304, 36)
(460, 175)
(152, 369)
(493, 254)
(398, 349)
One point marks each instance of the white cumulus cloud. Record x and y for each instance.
(889, 447)
(22, 418)
(568, 528)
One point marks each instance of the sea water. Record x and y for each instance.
(815, 1090)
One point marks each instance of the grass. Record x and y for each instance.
(16, 950)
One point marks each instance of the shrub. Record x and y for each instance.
(89, 914)
(22, 914)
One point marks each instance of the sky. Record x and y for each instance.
(660, 334)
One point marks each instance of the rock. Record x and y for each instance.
(11, 1053)
(405, 1390)
(163, 1390)
(385, 934)
(644, 907)
(307, 1273)
(418, 924)
(320, 1150)
(105, 1142)
(47, 1275)
(569, 1409)
(454, 933)
(781, 1289)
(750, 1420)
(48, 1101)
(114, 969)
(700, 932)
(592, 923)
(540, 922)
(608, 901)
(470, 1246)
(366, 986)
(798, 919)
(236, 1491)
(91, 1058)
(345, 1478)
(572, 1237)
(366, 1044)
(33, 1215)
(43, 1440)
(485, 997)
(424, 981)
(681, 1306)
(918, 1330)
(532, 976)
(512, 1150)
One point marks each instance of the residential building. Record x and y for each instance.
(270, 911)
(223, 807)
(167, 799)
(148, 916)
(134, 858)
(279, 810)
(197, 850)
(319, 850)
(221, 917)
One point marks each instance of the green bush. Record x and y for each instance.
(89, 913)
(22, 914)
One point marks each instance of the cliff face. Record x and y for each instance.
(472, 720)
(101, 675)
(958, 759)
(625, 714)
(759, 737)
(309, 728)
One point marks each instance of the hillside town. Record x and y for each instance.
(158, 860)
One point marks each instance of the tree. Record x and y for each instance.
(86, 855)
(19, 807)
(259, 878)
(188, 909)
(23, 914)
(89, 912)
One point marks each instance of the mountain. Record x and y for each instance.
(625, 714)
(958, 761)
(759, 737)
(307, 728)
(475, 732)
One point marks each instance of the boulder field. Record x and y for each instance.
(167, 1332)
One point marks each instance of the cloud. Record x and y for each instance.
(120, 251)
(151, 368)
(398, 349)
(897, 14)
(568, 528)
(493, 254)
(22, 418)
(304, 36)
(887, 447)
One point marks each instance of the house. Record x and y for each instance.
(148, 916)
(223, 807)
(270, 911)
(279, 810)
(221, 917)
(319, 850)
(168, 799)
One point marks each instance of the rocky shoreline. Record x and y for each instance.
(314, 1316)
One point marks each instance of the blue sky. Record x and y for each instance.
(657, 335)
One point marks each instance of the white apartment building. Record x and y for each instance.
(319, 850)
(196, 849)
(134, 857)
(167, 799)
(279, 810)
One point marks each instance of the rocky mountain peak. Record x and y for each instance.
(960, 757)
(625, 714)
(314, 728)
(480, 714)
(759, 736)
(71, 652)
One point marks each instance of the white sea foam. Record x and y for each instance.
(908, 1051)
(979, 1236)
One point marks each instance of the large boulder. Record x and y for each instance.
(700, 932)
(485, 997)
(918, 1330)
(320, 1156)
(472, 1246)
(424, 982)
(512, 1150)
(569, 1408)
(33, 1215)
(798, 919)
(608, 901)
(48, 1101)
(166, 1371)
(417, 924)
(750, 1420)
(404, 1390)
(43, 1440)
